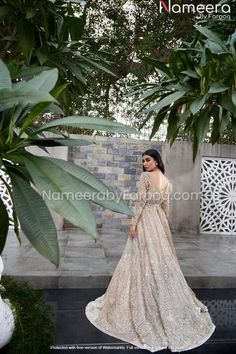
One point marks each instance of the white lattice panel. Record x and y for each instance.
(5, 195)
(218, 196)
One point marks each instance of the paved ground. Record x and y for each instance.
(72, 326)
(75, 333)
(207, 261)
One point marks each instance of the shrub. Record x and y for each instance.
(34, 330)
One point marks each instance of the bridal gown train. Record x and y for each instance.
(148, 302)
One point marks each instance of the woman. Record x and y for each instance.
(148, 302)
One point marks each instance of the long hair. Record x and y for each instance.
(157, 157)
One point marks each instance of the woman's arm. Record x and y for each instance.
(140, 203)
(165, 205)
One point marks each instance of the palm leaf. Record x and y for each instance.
(167, 100)
(24, 96)
(87, 182)
(35, 219)
(59, 190)
(58, 142)
(93, 123)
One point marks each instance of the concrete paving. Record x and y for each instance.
(74, 331)
(207, 261)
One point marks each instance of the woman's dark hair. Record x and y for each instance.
(157, 157)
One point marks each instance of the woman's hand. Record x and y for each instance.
(132, 231)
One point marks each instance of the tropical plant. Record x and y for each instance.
(128, 30)
(37, 35)
(68, 35)
(36, 179)
(198, 87)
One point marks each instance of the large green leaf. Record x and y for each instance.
(197, 104)
(35, 112)
(77, 72)
(172, 122)
(25, 34)
(35, 219)
(59, 142)
(44, 82)
(227, 103)
(159, 65)
(191, 73)
(24, 96)
(96, 65)
(5, 81)
(4, 225)
(42, 55)
(214, 47)
(168, 100)
(158, 120)
(215, 134)
(27, 72)
(225, 120)
(218, 87)
(151, 93)
(233, 42)
(183, 117)
(42, 107)
(59, 189)
(93, 123)
(211, 35)
(201, 127)
(149, 115)
(234, 98)
(87, 182)
(76, 27)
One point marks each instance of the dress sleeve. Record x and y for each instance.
(143, 186)
(166, 203)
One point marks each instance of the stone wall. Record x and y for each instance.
(117, 161)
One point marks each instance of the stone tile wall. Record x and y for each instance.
(117, 161)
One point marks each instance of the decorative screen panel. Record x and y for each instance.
(5, 195)
(218, 196)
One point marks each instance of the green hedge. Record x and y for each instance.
(34, 331)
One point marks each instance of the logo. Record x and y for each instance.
(203, 10)
(164, 6)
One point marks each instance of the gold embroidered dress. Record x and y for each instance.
(148, 302)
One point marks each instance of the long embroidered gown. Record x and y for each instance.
(148, 302)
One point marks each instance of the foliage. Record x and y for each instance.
(36, 35)
(198, 87)
(128, 30)
(34, 328)
(21, 103)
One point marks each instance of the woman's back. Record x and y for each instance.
(157, 180)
